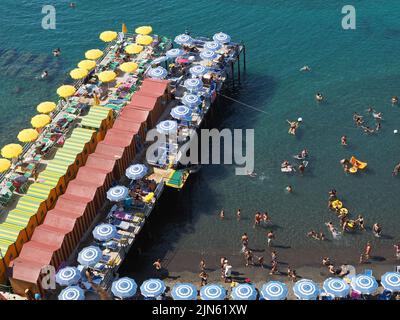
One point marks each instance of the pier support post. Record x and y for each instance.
(244, 57)
(239, 68)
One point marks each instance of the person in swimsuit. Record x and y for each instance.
(270, 236)
(377, 230)
(360, 222)
(222, 215)
(238, 213)
(293, 127)
(343, 140)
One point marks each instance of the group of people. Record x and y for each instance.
(360, 122)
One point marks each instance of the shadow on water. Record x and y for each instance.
(174, 217)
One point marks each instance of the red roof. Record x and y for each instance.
(101, 162)
(61, 219)
(46, 233)
(133, 114)
(118, 138)
(91, 175)
(65, 204)
(102, 148)
(28, 271)
(154, 87)
(85, 191)
(127, 125)
(37, 252)
(143, 101)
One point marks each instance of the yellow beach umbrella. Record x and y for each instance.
(78, 73)
(108, 36)
(133, 49)
(87, 64)
(107, 76)
(124, 28)
(46, 107)
(66, 91)
(11, 150)
(4, 165)
(128, 67)
(28, 135)
(40, 121)
(144, 30)
(93, 54)
(144, 40)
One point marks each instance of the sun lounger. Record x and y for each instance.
(123, 225)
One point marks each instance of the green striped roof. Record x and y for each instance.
(95, 116)
(48, 178)
(29, 204)
(4, 244)
(39, 190)
(9, 231)
(19, 218)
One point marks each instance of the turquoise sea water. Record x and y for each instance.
(353, 69)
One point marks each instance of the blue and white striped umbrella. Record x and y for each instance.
(89, 256)
(136, 171)
(391, 281)
(208, 55)
(364, 284)
(104, 232)
(244, 291)
(221, 37)
(306, 290)
(182, 113)
(72, 293)
(152, 288)
(191, 100)
(336, 287)
(212, 292)
(212, 45)
(274, 290)
(174, 53)
(167, 127)
(193, 84)
(157, 73)
(183, 39)
(184, 291)
(68, 276)
(159, 60)
(198, 70)
(124, 288)
(117, 193)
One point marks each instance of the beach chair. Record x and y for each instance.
(385, 295)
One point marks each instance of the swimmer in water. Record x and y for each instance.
(56, 52)
(377, 115)
(251, 174)
(395, 100)
(377, 230)
(332, 229)
(367, 129)
(305, 69)
(343, 140)
(44, 74)
(293, 126)
(72, 5)
(396, 170)
(289, 189)
(319, 97)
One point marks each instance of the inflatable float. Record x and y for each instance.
(357, 165)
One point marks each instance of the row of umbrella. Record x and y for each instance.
(273, 290)
(219, 39)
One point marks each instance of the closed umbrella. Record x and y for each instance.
(28, 135)
(221, 37)
(11, 151)
(208, 55)
(104, 232)
(182, 113)
(128, 67)
(336, 287)
(157, 73)
(68, 276)
(124, 288)
(72, 293)
(364, 284)
(78, 73)
(46, 107)
(212, 292)
(193, 84)
(144, 30)
(198, 70)
(391, 281)
(152, 288)
(5, 164)
(108, 36)
(89, 256)
(144, 40)
(87, 64)
(244, 291)
(66, 91)
(107, 76)
(274, 290)
(167, 127)
(159, 60)
(40, 121)
(306, 290)
(212, 45)
(191, 100)
(133, 49)
(183, 39)
(136, 171)
(184, 291)
(174, 53)
(93, 54)
(117, 193)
